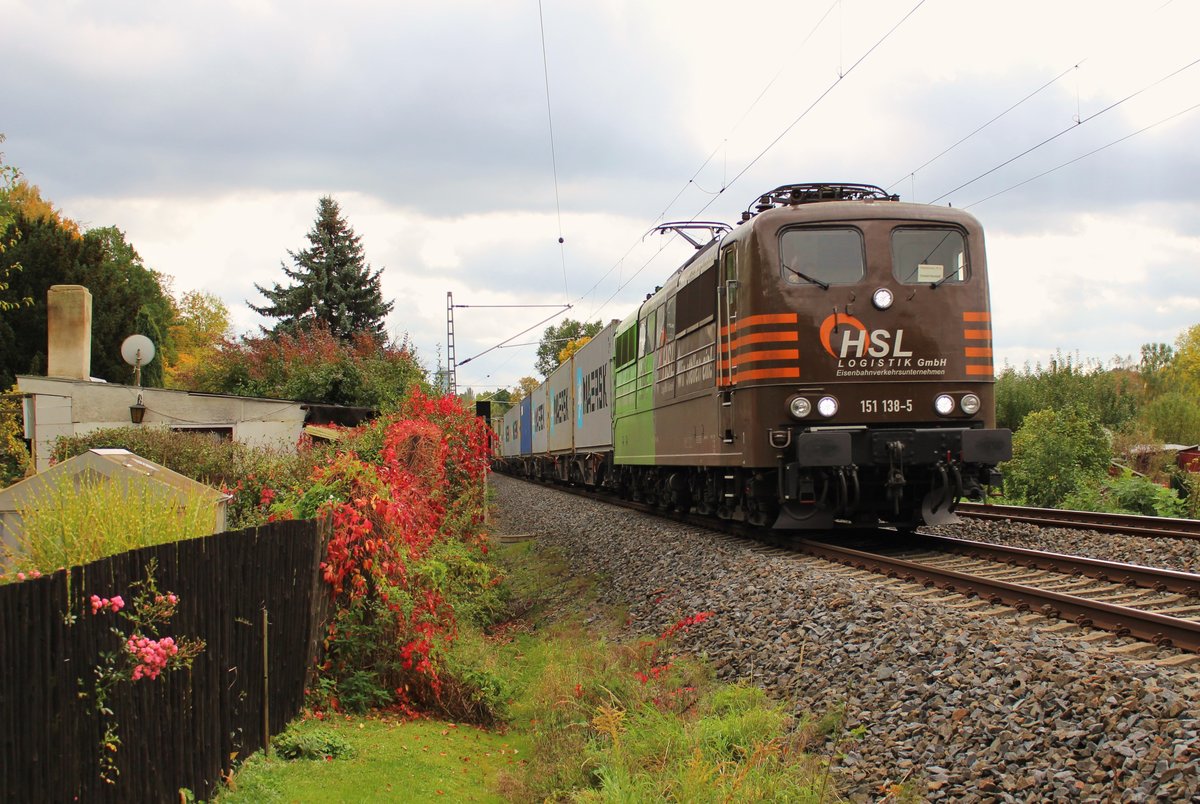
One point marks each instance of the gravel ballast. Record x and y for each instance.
(962, 707)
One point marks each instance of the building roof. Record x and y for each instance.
(112, 464)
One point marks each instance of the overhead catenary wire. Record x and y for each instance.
(841, 77)
(753, 104)
(557, 198)
(627, 280)
(519, 334)
(553, 156)
(691, 182)
(1072, 127)
(1028, 97)
(1084, 156)
(1074, 68)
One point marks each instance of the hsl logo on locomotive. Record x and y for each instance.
(855, 337)
(870, 353)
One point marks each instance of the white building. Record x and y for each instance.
(62, 406)
(69, 402)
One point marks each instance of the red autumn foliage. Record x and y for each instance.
(655, 664)
(393, 520)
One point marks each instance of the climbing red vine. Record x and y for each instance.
(407, 511)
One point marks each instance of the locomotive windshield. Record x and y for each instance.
(929, 256)
(822, 256)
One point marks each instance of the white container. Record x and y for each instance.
(593, 392)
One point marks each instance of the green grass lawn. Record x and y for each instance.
(592, 716)
(394, 760)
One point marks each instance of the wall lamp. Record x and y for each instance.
(137, 411)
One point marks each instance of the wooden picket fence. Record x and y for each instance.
(184, 729)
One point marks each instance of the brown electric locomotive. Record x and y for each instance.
(827, 362)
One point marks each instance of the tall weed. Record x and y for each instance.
(253, 476)
(76, 520)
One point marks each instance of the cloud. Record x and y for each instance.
(1101, 289)
(208, 131)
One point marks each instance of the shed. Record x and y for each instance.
(1187, 456)
(110, 464)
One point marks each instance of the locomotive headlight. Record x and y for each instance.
(827, 406)
(800, 407)
(970, 404)
(944, 405)
(882, 299)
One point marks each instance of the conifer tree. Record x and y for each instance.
(331, 283)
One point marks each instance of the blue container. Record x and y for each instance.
(526, 426)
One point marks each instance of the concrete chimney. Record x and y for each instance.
(69, 318)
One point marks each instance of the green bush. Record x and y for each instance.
(1174, 418)
(476, 686)
(299, 742)
(1189, 490)
(1112, 396)
(1127, 494)
(460, 574)
(1056, 454)
(14, 457)
(360, 658)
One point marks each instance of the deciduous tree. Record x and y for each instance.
(201, 325)
(553, 348)
(127, 298)
(9, 178)
(1186, 366)
(122, 287)
(313, 366)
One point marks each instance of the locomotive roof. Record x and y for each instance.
(835, 211)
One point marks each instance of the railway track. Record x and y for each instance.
(1086, 520)
(1153, 605)
(1158, 606)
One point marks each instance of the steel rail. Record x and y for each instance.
(1160, 629)
(1162, 580)
(1087, 520)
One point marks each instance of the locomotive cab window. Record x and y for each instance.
(626, 348)
(648, 332)
(929, 256)
(821, 256)
(696, 300)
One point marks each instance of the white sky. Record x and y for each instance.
(206, 131)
